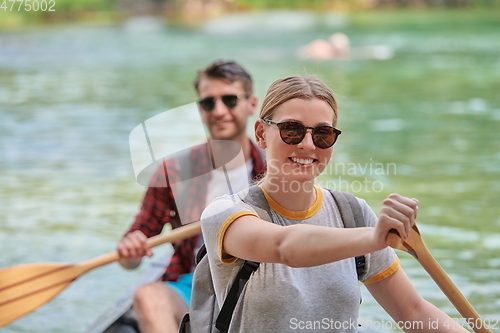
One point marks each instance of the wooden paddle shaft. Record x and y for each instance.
(415, 246)
(186, 231)
(444, 282)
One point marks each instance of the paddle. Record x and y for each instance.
(415, 246)
(24, 288)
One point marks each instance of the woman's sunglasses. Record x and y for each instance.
(293, 132)
(208, 103)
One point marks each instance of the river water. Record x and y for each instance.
(424, 122)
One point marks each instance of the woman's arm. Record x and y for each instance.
(302, 245)
(409, 310)
(299, 245)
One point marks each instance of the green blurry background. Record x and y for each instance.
(75, 82)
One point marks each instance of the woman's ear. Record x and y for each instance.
(260, 134)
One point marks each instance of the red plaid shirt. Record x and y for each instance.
(159, 208)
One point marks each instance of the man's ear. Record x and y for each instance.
(260, 134)
(252, 103)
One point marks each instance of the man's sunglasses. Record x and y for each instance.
(208, 103)
(293, 132)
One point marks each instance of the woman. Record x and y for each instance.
(306, 280)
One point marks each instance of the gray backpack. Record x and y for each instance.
(204, 314)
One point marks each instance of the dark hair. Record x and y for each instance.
(228, 71)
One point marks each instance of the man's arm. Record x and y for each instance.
(155, 212)
(131, 248)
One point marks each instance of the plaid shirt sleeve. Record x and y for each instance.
(158, 208)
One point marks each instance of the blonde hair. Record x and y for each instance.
(302, 87)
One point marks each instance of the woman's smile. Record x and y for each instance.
(303, 161)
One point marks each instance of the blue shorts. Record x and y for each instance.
(183, 287)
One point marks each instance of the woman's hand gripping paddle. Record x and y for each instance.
(24, 288)
(415, 246)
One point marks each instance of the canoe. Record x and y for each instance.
(120, 317)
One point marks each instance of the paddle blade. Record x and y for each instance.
(24, 288)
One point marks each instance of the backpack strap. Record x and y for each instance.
(201, 253)
(352, 217)
(226, 312)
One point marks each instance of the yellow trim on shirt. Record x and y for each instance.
(385, 273)
(222, 233)
(295, 214)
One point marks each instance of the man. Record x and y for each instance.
(226, 101)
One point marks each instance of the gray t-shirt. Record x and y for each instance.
(279, 298)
